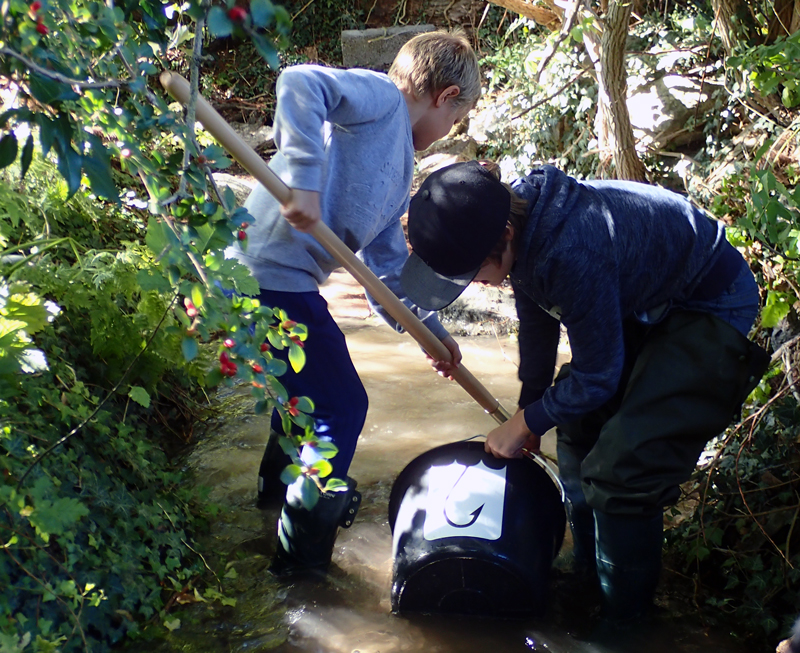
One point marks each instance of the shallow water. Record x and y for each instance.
(348, 611)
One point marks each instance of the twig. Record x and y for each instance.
(580, 74)
(59, 77)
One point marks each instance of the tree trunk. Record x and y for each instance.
(613, 114)
(728, 28)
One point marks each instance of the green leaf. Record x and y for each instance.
(140, 396)
(261, 12)
(297, 357)
(309, 494)
(97, 166)
(218, 22)
(189, 348)
(267, 51)
(49, 91)
(323, 467)
(172, 624)
(69, 165)
(287, 446)
(335, 485)
(198, 296)
(8, 149)
(305, 405)
(27, 157)
(56, 517)
(326, 449)
(290, 474)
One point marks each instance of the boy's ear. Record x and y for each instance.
(449, 93)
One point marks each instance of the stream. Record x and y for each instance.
(348, 610)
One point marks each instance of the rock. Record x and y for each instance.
(241, 186)
(376, 48)
(660, 110)
(259, 137)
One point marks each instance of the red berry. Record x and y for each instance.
(289, 324)
(264, 346)
(229, 343)
(257, 368)
(224, 358)
(237, 14)
(36, 6)
(230, 369)
(242, 234)
(293, 411)
(42, 29)
(296, 340)
(244, 225)
(294, 401)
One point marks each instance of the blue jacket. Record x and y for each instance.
(592, 254)
(347, 135)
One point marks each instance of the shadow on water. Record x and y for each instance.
(349, 610)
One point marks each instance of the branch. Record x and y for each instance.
(570, 18)
(552, 95)
(62, 78)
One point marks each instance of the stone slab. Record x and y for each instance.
(376, 48)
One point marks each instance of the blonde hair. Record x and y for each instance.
(432, 61)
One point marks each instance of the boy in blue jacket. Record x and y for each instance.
(346, 142)
(657, 306)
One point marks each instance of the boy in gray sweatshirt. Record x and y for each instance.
(657, 305)
(346, 142)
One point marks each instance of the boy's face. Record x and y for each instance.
(438, 119)
(493, 272)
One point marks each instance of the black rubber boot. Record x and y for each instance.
(628, 563)
(271, 490)
(306, 537)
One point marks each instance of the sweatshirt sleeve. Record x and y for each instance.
(385, 256)
(587, 291)
(308, 96)
(538, 347)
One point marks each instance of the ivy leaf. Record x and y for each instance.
(297, 357)
(8, 149)
(56, 517)
(172, 624)
(140, 396)
(218, 22)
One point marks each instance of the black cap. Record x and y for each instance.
(454, 222)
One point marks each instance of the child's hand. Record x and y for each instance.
(445, 368)
(303, 211)
(508, 439)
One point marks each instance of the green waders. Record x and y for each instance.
(684, 381)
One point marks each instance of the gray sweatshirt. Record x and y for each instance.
(347, 135)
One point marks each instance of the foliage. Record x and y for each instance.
(741, 545)
(543, 126)
(773, 68)
(113, 277)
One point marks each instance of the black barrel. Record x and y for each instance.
(473, 534)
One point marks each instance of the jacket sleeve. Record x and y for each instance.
(385, 256)
(309, 96)
(538, 347)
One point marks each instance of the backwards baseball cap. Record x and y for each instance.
(454, 221)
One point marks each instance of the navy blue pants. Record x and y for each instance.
(328, 378)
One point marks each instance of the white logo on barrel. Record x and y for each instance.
(464, 501)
